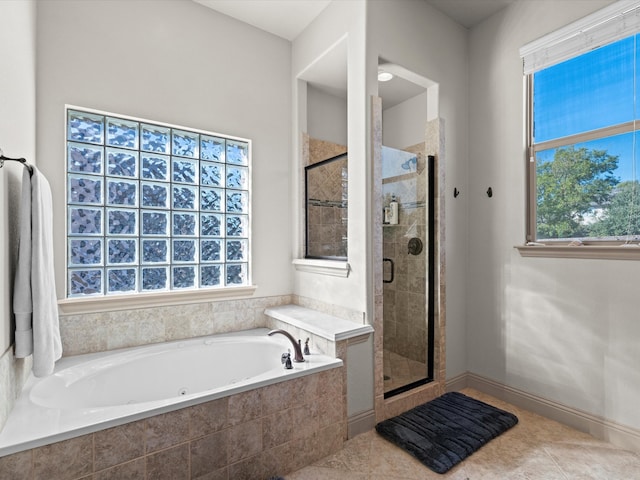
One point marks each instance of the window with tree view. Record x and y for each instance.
(584, 147)
(152, 207)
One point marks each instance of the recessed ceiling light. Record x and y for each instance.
(384, 76)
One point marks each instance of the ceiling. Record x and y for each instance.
(288, 18)
(284, 18)
(469, 13)
(404, 85)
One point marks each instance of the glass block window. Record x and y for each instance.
(153, 207)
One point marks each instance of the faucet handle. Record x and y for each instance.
(306, 347)
(287, 363)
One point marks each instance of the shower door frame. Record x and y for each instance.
(431, 283)
(396, 404)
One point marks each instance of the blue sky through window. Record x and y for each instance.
(592, 91)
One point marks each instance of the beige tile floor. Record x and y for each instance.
(536, 448)
(400, 371)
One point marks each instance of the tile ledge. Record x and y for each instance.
(112, 303)
(322, 324)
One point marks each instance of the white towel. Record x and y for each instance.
(34, 302)
(22, 305)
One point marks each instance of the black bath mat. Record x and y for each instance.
(445, 431)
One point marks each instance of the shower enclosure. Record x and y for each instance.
(408, 268)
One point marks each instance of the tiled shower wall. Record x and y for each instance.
(327, 224)
(327, 209)
(253, 435)
(314, 151)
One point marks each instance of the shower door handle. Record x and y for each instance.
(392, 270)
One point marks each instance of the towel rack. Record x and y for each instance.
(21, 160)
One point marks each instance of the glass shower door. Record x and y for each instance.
(405, 186)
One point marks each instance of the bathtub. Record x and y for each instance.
(87, 393)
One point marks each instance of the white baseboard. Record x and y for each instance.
(360, 423)
(599, 427)
(457, 383)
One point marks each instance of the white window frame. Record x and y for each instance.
(615, 22)
(115, 301)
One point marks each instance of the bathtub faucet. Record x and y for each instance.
(296, 346)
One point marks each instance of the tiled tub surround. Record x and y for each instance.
(13, 375)
(123, 326)
(326, 332)
(295, 423)
(89, 392)
(337, 337)
(126, 327)
(253, 434)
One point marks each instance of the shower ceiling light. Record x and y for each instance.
(384, 76)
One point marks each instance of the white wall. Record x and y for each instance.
(403, 125)
(410, 34)
(336, 21)
(17, 139)
(566, 330)
(178, 62)
(17, 133)
(421, 39)
(326, 116)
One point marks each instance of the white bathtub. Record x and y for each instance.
(87, 393)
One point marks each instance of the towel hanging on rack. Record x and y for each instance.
(34, 300)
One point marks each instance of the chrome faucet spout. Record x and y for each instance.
(296, 346)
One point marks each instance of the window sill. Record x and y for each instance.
(600, 252)
(334, 268)
(112, 303)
